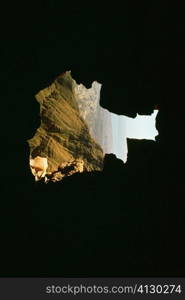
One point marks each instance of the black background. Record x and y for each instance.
(129, 219)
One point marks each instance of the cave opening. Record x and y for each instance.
(75, 132)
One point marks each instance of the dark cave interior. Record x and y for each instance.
(127, 220)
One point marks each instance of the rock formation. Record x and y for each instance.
(39, 167)
(98, 118)
(65, 128)
(63, 136)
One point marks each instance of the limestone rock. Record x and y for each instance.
(39, 167)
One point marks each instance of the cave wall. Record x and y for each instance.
(135, 211)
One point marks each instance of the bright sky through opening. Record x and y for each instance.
(141, 127)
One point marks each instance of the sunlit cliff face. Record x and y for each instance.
(76, 132)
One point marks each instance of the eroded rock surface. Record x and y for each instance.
(63, 136)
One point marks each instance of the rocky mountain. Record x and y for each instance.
(98, 119)
(64, 137)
